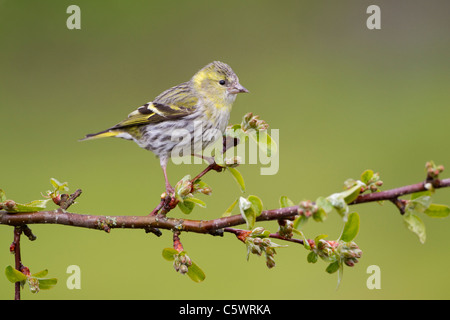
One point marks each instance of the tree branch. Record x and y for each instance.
(214, 227)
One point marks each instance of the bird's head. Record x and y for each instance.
(218, 82)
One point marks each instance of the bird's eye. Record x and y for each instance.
(222, 82)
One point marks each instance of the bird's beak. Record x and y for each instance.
(237, 88)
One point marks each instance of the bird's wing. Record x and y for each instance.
(174, 103)
(151, 113)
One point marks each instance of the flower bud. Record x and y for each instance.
(270, 251)
(188, 260)
(176, 264)
(34, 284)
(183, 269)
(257, 241)
(248, 116)
(255, 250)
(270, 262)
(206, 190)
(257, 231)
(9, 204)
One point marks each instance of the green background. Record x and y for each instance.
(344, 98)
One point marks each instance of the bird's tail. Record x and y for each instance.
(101, 134)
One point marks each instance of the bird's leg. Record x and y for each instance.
(163, 162)
(169, 189)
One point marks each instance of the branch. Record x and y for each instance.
(397, 192)
(214, 227)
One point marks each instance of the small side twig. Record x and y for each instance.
(177, 242)
(400, 204)
(15, 248)
(67, 201)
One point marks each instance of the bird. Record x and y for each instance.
(205, 100)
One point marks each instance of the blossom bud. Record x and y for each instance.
(270, 262)
(183, 269)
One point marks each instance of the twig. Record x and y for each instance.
(67, 201)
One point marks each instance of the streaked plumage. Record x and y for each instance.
(205, 100)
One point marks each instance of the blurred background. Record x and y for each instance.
(344, 98)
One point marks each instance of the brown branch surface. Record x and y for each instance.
(161, 221)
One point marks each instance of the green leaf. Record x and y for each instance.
(40, 274)
(333, 267)
(2, 195)
(195, 201)
(419, 204)
(319, 237)
(33, 206)
(14, 275)
(351, 228)
(338, 202)
(227, 213)
(299, 222)
(202, 187)
(186, 207)
(195, 273)
(235, 131)
(46, 284)
(265, 142)
(437, 211)
(260, 233)
(168, 253)
(238, 177)
(305, 241)
(320, 215)
(415, 224)
(58, 185)
(285, 202)
(366, 176)
(420, 194)
(351, 194)
(312, 257)
(325, 204)
(257, 204)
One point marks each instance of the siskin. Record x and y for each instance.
(205, 100)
